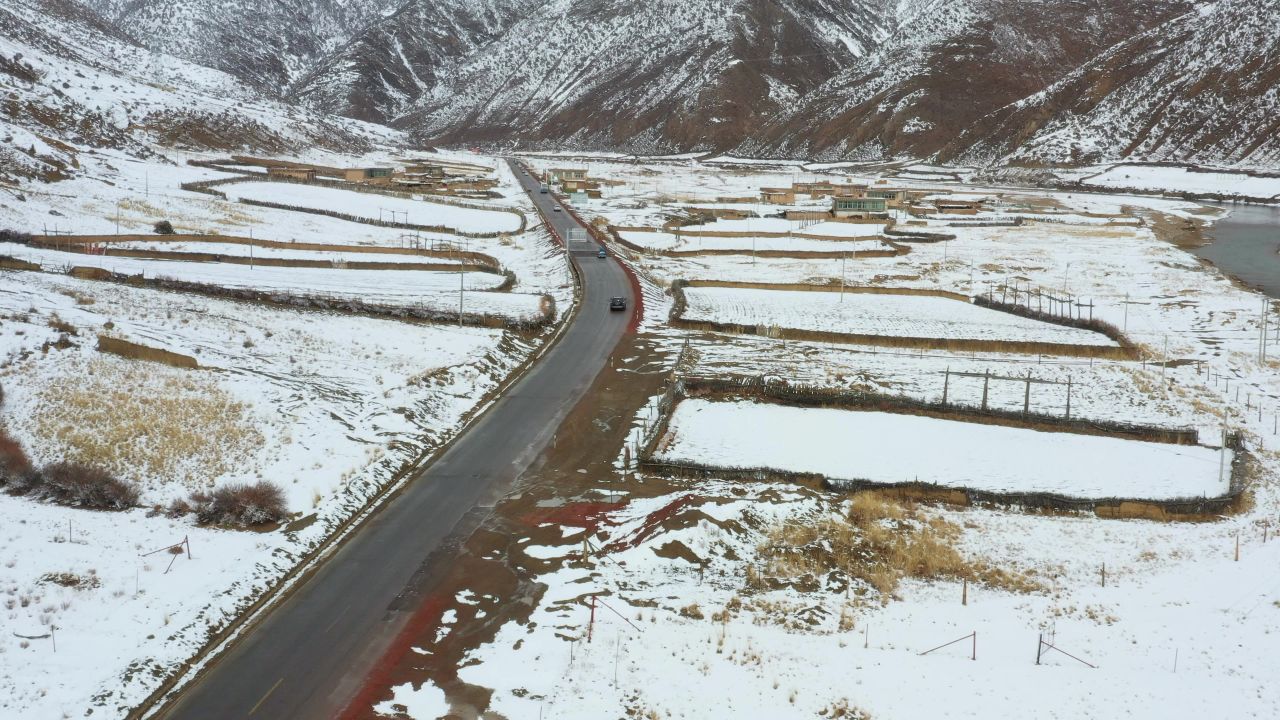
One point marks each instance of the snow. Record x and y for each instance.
(886, 448)
(1172, 590)
(1182, 179)
(877, 314)
(243, 251)
(400, 288)
(416, 212)
(331, 405)
(423, 701)
(671, 241)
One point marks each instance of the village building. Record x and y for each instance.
(425, 171)
(563, 174)
(281, 172)
(893, 197)
(778, 196)
(579, 184)
(367, 174)
(858, 208)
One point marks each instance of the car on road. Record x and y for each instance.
(617, 303)
(602, 254)
(543, 188)
(555, 208)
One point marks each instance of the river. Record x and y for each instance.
(1246, 245)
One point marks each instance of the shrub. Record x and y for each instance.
(15, 467)
(241, 504)
(164, 227)
(15, 236)
(75, 484)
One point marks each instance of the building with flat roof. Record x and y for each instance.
(778, 196)
(292, 173)
(859, 207)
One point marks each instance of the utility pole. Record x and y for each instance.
(1222, 456)
(462, 282)
(842, 264)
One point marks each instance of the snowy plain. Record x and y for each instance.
(886, 448)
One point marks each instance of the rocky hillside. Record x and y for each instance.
(267, 45)
(651, 76)
(946, 65)
(400, 57)
(971, 81)
(1203, 87)
(69, 83)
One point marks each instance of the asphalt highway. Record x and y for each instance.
(310, 655)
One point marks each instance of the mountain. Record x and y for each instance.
(268, 45)
(1203, 87)
(70, 82)
(399, 57)
(945, 66)
(647, 76)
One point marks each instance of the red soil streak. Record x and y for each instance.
(652, 523)
(379, 677)
(583, 515)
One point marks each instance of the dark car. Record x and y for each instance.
(618, 303)
(602, 254)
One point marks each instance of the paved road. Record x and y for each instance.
(310, 655)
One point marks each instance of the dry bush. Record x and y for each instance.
(691, 611)
(879, 544)
(842, 709)
(144, 421)
(85, 486)
(72, 580)
(15, 466)
(61, 325)
(241, 504)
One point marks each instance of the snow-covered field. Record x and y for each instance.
(877, 314)
(887, 448)
(1179, 631)
(1174, 632)
(671, 241)
(238, 250)
(401, 288)
(373, 206)
(328, 406)
(1179, 179)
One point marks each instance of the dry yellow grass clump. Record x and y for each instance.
(146, 422)
(881, 542)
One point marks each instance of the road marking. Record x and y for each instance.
(264, 697)
(339, 617)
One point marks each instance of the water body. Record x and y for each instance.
(1246, 245)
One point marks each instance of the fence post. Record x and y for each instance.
(946, 380)
(1026, 399)
(986, 380)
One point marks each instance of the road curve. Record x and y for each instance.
(307, 657)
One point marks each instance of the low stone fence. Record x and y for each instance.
(468, 261)
(918, 236)
(207, 187)
(546, 310)
(894, 250)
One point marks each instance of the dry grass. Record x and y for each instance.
(144, 422)
(879, 543)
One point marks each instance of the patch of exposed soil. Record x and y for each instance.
(490, 581)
